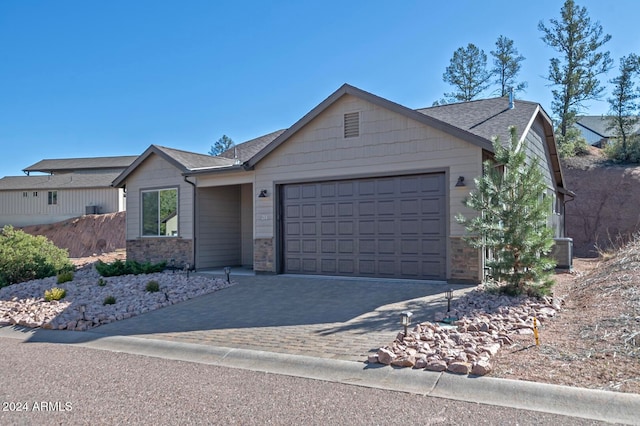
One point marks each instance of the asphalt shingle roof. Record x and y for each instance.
(601, 124)
(74, 164)
(62, 181)
(486, 118)
(246, 150)
(191, 160)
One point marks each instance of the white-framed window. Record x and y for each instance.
(159, 212)
(52, 198)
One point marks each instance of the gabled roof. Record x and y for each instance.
(487, 118)
(476, 122)
(601, 125)
(54, 182)
(191, 163)
(66, 165)
(245, 151)
(347, 89)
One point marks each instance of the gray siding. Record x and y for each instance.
(19, 210)
(246, 215)
(156, 173)
(219, 240)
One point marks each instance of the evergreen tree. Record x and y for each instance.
(581, 60)
(624, 108)
(221, 145)
(467, 72)
(506, 66)
(513, 212)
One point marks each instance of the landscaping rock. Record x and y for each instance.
(485, 323)
(23, 303)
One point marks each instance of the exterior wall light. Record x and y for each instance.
(227, 272)
(263, 194)
(460, 182)
(405, 320)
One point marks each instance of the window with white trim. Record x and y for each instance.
(52, 198)
(160, 212)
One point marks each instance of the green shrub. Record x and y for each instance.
(54, 293)
(153, 286)
(129, 267)
(619, 152)
(25, 257)
(65, 276)
(102, 282)
(109, 300)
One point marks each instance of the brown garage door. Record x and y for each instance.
(392, 227)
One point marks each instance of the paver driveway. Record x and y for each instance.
(315, 316)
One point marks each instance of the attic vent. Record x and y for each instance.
(352, 125)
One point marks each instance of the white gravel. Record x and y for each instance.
(24, 304)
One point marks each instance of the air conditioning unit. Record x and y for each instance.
(91, 210)
(562, 253)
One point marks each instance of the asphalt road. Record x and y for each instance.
(65, 384)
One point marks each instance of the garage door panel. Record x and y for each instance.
(329, 266)
(379, 227)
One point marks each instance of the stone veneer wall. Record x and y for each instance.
(466, 263)
(156, 250)
(263, 256)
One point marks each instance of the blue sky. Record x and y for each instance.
(102, 78)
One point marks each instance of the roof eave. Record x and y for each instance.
(153, 149)
(347, 89)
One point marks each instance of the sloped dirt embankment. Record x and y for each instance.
(604, 213)
(85, 236)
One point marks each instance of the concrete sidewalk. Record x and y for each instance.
(576, 402)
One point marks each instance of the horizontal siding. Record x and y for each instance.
(18, 210)
(219, 227)
(156, 173)
(388, 143)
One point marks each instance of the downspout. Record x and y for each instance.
(193, 230)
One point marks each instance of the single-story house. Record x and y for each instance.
(597, 130)
(360, 186)
(53, 190)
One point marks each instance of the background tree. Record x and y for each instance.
(506, 66)
(581, 60)
(624, 107)
(467, 72)
(221, 145)
(512, 219)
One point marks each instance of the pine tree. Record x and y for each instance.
(580, 61)
(624, 107)
(513, 210)
(221, 145)
(506, 66)
(467, 72)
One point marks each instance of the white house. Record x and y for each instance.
(70, 188)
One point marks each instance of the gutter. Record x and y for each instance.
(193, 249)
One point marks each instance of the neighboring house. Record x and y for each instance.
(597, 130)
(360, 186)
(71, 188)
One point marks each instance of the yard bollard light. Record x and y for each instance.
(187, 267)
(227, 272)
(405, 318)
(449, 319)
(449, 296)
(83, 309)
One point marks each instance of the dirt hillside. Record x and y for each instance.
(85, 235)
(605, 212)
